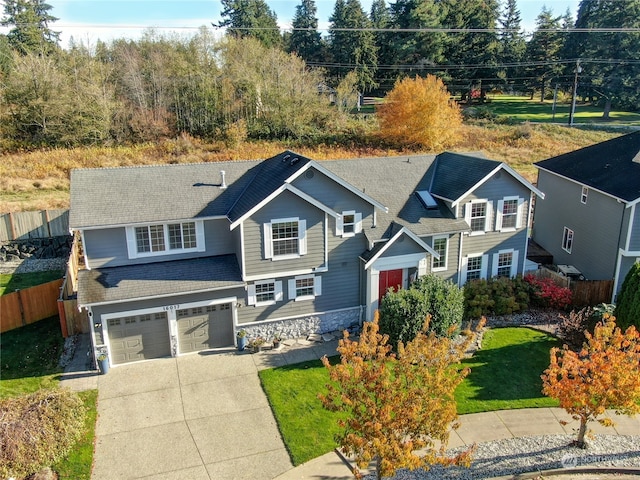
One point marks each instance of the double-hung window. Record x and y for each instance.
(264, 292)
(584, 195)
(478, 216)
(349, 223)
(474, 267)
(440, 245)
(567, 240)
(509, 214)
(305, 287)
(505, 263)
(285, 238)
(163, 238)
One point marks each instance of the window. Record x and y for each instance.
(349, 223)
(478, 216)
(305, 287)
(567, 240)
(584, 195)
(264, 292)
(474, 268)
(504, 264)
(160, 239)
(440, 245)
(285, 238)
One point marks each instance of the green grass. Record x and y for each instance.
(505, 374)
(18, 281)
(524, 109)
(29, 361)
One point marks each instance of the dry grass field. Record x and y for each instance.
(39, 180)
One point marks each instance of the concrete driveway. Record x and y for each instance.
(201, 416)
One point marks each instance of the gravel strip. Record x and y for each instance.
(29, 265)
(534, 454)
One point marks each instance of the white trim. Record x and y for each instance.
(509, 170)
(483, 265)
(357, 224)
(286, 273)
(132, 242)
(566, 231)
(637, 200)
(390, 242)
(513, 267)
(630, 226)
(267, 233)
(243, 259)
(317, 287)
(337, 179)
(488, 215)
(252, 295)
(446, 253)
(87, 264)
(518, 213)
(284, 187)
(584, 195)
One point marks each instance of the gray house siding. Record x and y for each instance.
(596, 226)
(634, 244)
(286, 205)
(403, 246)
(451, 273)
(108, 247)
(500, 185)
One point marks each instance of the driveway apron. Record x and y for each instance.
(201, 416)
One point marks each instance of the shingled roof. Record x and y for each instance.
(613, 166)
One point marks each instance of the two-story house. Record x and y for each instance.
(590, 216)
(180, 257)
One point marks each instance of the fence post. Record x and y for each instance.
(20, 304)
(62, 314)
(12, 226)
(47, 221)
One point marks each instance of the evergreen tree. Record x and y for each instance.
(352, 45)
(512, 41)
(30, 30)
(545, 49)
(251, 18)
(628, 302)
(305, 40)
(380, 17)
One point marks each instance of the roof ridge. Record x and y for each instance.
(155, 165)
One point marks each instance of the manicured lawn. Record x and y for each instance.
(17, 281)
(29, 361)
(505, 374)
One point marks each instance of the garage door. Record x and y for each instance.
(139, 337)
(205, 327)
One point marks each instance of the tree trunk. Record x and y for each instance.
(581, 433)
(607, 109)
(379, 468)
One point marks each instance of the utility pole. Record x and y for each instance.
(575, 88)
(555, 99)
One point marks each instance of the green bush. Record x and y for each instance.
(627, 311)
(496, 296)
(38, 429)
(403, 313)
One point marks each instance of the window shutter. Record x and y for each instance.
(267, 237)
(463, 270)
(514, 263)
(358, 225)
(317, 285)
(339, 224)
(494, 266)
(200, 245)
(520, 215)
(278, 291)
(302, 237)
(483, 271)
(251, 294)
(292, 289)
(467, 213)
(422, 267)
(499, 211)
(489, 217)
(132, 248)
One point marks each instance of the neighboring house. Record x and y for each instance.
(180, 257)
(590, 216)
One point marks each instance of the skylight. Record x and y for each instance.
(426, 199)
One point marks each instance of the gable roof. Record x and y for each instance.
(612, 167)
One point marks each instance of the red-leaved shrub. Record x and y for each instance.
(547, 293)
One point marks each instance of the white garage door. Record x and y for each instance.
(205, 327)
(139, 337)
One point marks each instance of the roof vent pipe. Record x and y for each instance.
(223, 184)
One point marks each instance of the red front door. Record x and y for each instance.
(389, 278)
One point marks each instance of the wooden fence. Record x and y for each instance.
(583, 292)
(72, 320)
(42, 224)
(29, 305)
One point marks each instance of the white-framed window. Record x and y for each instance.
(165, 238)
(264, 292)
(509, 214)
(305, 287)
(349, 223)
(441, 245)
(567, 240)
(474, 267)
(478, 216)
(285, 238)
(505, 263)
(584, 195)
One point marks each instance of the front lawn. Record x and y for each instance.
(29, 361)
(505, 374)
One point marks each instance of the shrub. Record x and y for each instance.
(496, 296)
(572, 327)
(546, 293)
(628, 305)
(37, 430)
(403, 313)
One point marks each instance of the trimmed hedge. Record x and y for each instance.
(627, 311)
(37, 430)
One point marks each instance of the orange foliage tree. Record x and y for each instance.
(396, 404)
(604, 374)
(419, 112)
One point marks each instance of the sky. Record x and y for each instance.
(90, 20)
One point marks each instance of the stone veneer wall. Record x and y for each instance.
(305, 326)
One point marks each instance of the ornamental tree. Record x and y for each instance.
(419, 112)
(605, 374)
(396, 404)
